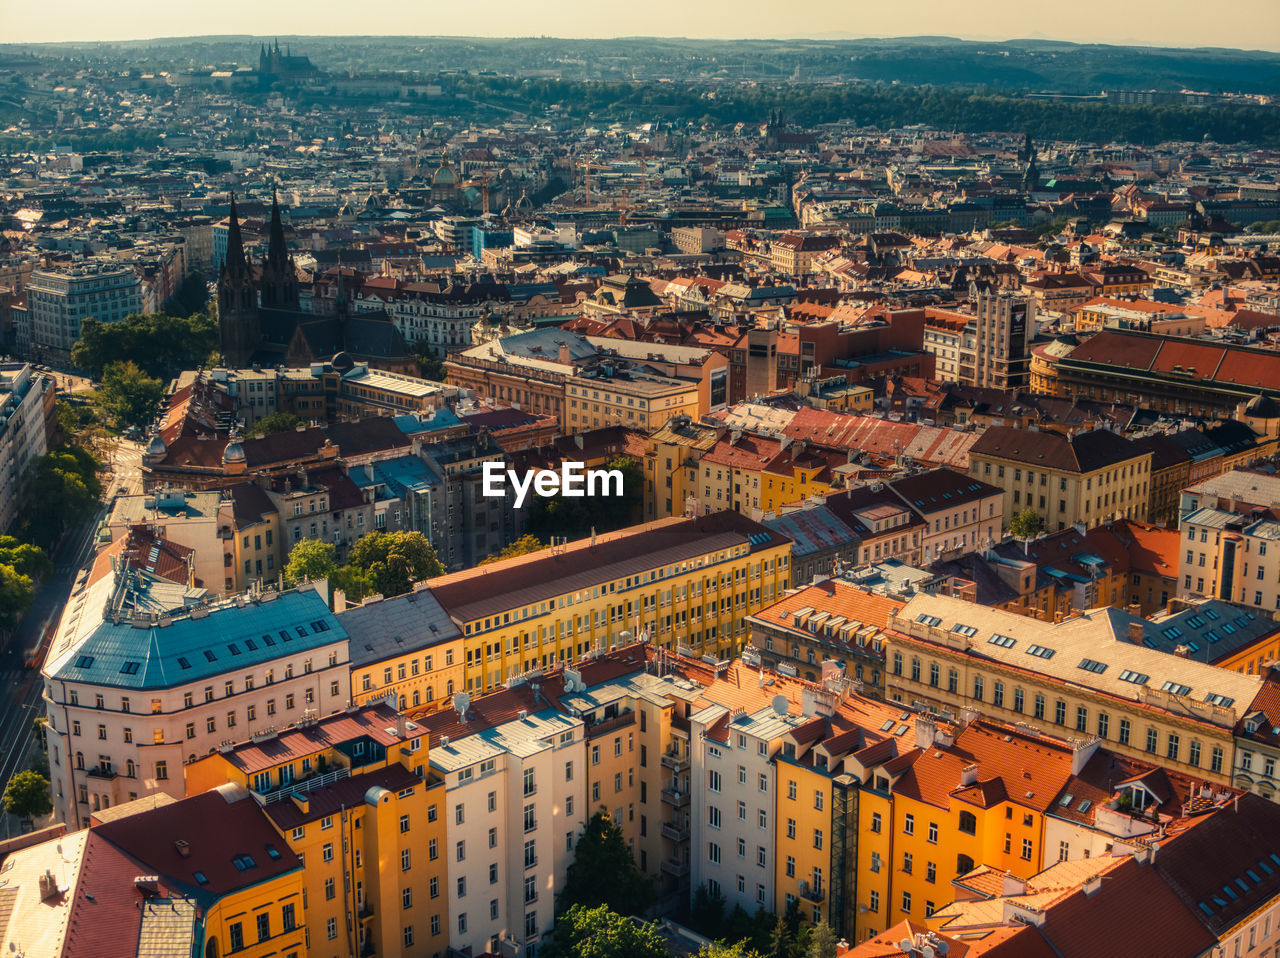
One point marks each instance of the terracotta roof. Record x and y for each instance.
(376, 722)
(1083, 452)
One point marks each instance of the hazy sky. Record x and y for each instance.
(1249, 24)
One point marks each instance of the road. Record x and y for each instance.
(21, 703)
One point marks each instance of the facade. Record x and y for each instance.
(59, 300)
(1083, 677)
(989, 347)
(146, 676)
(26, 415)
(960, 512)
(1089, 478)
(683, 582)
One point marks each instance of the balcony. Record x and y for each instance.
(811, 892)
(365, 911)
(675, 868)
(675, 799)
(674, 762)
(677, 833)
(98, 771)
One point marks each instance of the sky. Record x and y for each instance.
(1246, 24)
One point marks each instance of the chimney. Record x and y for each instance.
(1013, 885)
(1091, 884)
(401, 726)
(968, 775)
(183, 847)
(926, 731)
(563, 356)
(1136, 631)
(48, 886)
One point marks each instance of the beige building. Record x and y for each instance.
(145, 676)
(1088, 478)
(1079, 678)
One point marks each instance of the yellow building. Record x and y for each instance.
(1077, 677)
(406, 646)
(1088, 478)
(686, 583)
(350, 796)
(644, 401)
(253, 532)
(221, 848)
(671, 467)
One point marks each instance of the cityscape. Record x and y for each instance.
(513, 496)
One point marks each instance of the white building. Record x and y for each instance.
(59, 300)
(145, 675)
(23, 434)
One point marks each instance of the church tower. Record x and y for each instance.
(238, 328)
(279, 278)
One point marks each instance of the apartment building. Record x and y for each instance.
(26, 413)
(604, 395)
(145, 676)
(988, 347)
(960, 512)
(1088, 676)
(349, 795)
(1088, 478)
(686, 583)
(58, 300)
(404, 647)
(1233, 556)
(672, 463)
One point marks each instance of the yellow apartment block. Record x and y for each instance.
(683, 583)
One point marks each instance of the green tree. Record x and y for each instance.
(525, 545)
(706, 913)
(822, 943)
(600, 932)
(28, 795)
(60, 490)
(25, 558)
(161, 344)
(128, 395)
(1027, 524)
(430, 365)
(309, 560)
(394, 561)
(16, 593)
(603, 871)
(723, 949)
(276, 422)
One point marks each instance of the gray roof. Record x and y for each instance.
(387, 627)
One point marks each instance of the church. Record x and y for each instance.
(260, 321)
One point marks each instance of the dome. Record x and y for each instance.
(444, 176)
(156, 446)
(1262, 406)
(234, 452)
(342, 362)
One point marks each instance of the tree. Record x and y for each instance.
(60, 489)
(722, 949)
(600, 932)
(16, 593)
(24, 558)
(603, 871)
(525, 545)
(161, 344)
(28, 795)
(706, 914)
(128, 395)
(1027, 524)
(276, 422)
(309, 560)
(429, 365)
(394, 561)
(576, 517)
(822, 943)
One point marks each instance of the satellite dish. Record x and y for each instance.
(906, 946)
(462, 702)
(927, 951)
(780, 704)
(943, 947)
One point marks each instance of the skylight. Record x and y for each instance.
(130, 668)
(1213, 698)
(1092, 665)
(966, 630)
(184, 662)
(84, 662)
(1175, 688)
(1137, 678)
(1040, 651)
(929, 620)
(1004, 641)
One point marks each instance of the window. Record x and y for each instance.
(1172, 749)
(264, 926)
(817, 838)
(1104, 722)
(907, 862)
(326, 853)
(331, 928)
(404, 860)
(404, 824)
(968, 824)
(1152, 740)
(1124, 732)
(906, 902)
(1026, 849)
(933, 833)
(287, 916)
(713, 853)
(873, 901)
(235, 933)
(909, 824)
(875, 822)
(931, 872)
(329, 892)
(1039, 707)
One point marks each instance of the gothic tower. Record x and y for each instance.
(279, 278)
(238, 328)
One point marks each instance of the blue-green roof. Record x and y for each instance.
(193, 647)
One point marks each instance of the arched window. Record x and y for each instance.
(415, 697)
(431, 693)
(448, 689)
(964, 864)
(968, 824)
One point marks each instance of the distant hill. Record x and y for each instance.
(1016, 66)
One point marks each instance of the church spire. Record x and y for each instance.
(276, 253)
(235, 258)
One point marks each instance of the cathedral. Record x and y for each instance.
(260, 320)
(283, 66)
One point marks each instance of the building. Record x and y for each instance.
(959, 512)
(219, 850)
(687, 583)
(58, 301)
(349, 794)
(1088, 478)
(1084, 677)
(26, 419)
(145, 676)
(989, 347)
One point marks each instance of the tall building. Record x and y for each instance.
(59, 300)
(26, 410)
